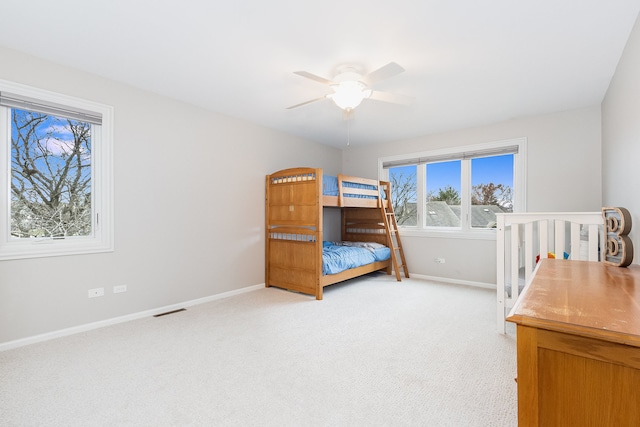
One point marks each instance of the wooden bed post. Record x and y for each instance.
(319, 235)
(266, 233)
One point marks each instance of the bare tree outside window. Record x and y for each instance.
(493, 194)
(50, 176)
(403, 188)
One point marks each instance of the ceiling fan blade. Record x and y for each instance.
(394, 98)
(384, 72)
(313, 77)
(306, 102)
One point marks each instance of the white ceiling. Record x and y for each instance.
(467, 62)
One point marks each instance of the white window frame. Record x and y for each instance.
(101, 239)
(465, 231)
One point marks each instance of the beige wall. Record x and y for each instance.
(189, 208)
(621, 137)
(563, 174)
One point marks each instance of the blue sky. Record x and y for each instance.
(496, 169)
(53, 135)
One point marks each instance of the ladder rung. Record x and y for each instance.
(397, 254)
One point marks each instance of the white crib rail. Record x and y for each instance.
(526, 235)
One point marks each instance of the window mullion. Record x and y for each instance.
(5, 169)
(465, 196)
(421, 196)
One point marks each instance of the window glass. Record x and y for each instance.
(491, 189)
(443, 196)
(50, 176)
(403, 194)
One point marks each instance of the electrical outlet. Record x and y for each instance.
(96, 292)
(439, 260)
(119, 289)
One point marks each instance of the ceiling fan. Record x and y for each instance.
(350, 87)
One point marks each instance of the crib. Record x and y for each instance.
(524, 238)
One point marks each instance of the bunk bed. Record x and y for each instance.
(522, 239)
(295, 201)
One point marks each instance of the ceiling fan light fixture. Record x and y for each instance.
(349, 94)
(350, 86)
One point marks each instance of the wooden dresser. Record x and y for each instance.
(578, 344)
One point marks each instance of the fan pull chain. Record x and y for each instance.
(347, 114)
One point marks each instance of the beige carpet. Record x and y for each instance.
(374, 352)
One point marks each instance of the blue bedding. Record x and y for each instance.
(330, 187)
(340, 256)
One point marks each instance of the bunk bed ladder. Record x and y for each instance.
(395, 244)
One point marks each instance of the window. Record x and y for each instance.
(404, 194)
(56, 174)
(457, 191)
(443, 181)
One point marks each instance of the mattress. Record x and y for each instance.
(341, 256)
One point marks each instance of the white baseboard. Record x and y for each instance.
(108, 322)
(454, 281)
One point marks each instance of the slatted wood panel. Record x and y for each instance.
(363, 225)
(293, 203)
(293, 265)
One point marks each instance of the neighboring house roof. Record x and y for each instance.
(481, 215)
(439, 214)
(406, 215)
(484, 215)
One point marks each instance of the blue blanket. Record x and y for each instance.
(340, 256)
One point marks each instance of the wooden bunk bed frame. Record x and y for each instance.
(294, 227)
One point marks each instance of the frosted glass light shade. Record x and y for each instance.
(349, 94)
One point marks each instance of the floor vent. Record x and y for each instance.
(170, 312)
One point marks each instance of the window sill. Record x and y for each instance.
(46, 249)
(489, 234)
